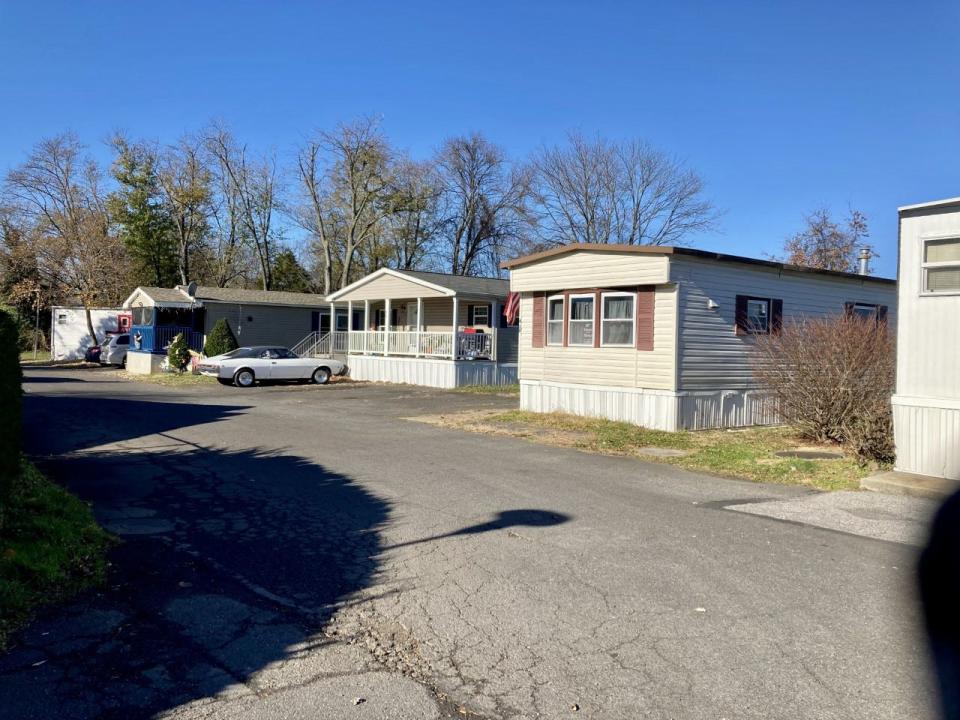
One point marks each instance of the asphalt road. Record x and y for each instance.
(308, 552)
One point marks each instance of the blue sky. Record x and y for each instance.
(782, 107)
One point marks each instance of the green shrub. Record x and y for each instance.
(178, 354)
(10, 419)
(220, 340)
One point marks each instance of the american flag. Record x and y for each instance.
(511, 311)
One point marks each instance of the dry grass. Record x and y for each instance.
(743, 453)
(168, 379)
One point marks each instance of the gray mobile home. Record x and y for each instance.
(661, 336)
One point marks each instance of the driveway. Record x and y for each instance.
(308, 552)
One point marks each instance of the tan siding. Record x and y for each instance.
(928, 338)
(590, 269)
(389, 286)
(604, 366)
(711, 355)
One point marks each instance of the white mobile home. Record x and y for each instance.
(926, 406)
(69, 336)
(661, 336)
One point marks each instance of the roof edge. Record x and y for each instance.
(332, 297)
(690, 252)
(932, 204)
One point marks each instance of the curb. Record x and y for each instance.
(892, 482)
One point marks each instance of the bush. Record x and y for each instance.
(220, 340)
(832, 379)
(10, 417)
(178, 353)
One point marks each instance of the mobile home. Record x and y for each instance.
(661, 336)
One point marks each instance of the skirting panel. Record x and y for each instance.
(725, 409)
(650, 408)
(927, 440)
(657, 409)
(430, 373)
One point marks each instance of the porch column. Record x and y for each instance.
(366, 324)
(495, 311)
(456, 317)
(349, 326)
(419, 322)
(386, 328)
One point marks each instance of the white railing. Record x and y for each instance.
(307, 346)
(317, 345)
(413, 343)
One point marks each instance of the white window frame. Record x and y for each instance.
(486, 312)
(593, 317)
(927, 266)
(769, 301)
(547, 320)
(633, 319)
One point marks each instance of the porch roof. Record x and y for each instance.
(389, 284)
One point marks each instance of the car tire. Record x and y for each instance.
(224, 381)
(321, 376)
(123, 363)
(244, 377)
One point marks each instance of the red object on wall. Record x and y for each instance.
(124, 322)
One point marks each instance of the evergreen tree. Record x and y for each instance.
(145, 226)
(220, 340)
(178, 353)
(288, 274)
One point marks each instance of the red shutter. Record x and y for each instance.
(566, 318)
(740, 316)
(776, 316)
(539, 328)
(646, 297)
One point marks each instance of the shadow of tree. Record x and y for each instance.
(231, 561)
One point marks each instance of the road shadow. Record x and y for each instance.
(939, 578)
(229, 566)
(501, 521)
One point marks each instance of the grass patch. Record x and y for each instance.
(50, 548)
(169, 379)
(740, 453)
(489, 389)
(26, 356)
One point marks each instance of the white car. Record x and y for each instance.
(246, 365)
(113, 350)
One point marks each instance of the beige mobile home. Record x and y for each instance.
(926, 406)
(661, 336)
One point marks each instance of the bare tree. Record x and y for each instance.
(345, 174)
(413, 220)
(598, 191)
(826, 244)
(185, 183)
(253, 184)
(482, 203)
(58, 191)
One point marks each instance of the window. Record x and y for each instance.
(123, 340)
(555, 321)
(481, 314)
(61, 318)
(580, 331)
(617, 319)
(941, 266)
(758, 316)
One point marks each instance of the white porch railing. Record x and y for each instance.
(317, 345)
(413, 343)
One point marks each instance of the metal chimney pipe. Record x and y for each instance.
(864, 259)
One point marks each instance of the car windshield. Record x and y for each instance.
(243, 352)
(284, 353)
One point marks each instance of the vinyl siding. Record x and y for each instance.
(590, 269)
(271, 324)
(928, 336)
(711, 355)
(604, 366)
(389, 286)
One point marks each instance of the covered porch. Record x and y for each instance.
(402, 324)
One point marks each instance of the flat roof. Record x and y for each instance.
(931, 204)
(690, 252)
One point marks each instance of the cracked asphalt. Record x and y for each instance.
(307, 552)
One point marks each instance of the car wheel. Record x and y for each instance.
(321, 376)
(244, 378)
(123, 363)
(224, 381)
